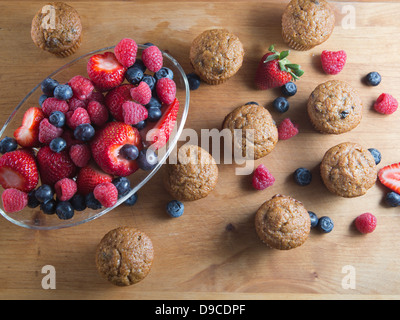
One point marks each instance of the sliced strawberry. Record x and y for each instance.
(158, 135)
(107, 143)
(18, 170)
(27, 135)
(105, 71)
(389, 176)
(89, 177)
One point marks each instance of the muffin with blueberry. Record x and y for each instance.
(307, 23)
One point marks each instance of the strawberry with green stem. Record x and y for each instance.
(275, 70)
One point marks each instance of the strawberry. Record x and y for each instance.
(275, 70)
(89, 177)
(27, 135)
(54, 166)
(389, 176)
(107, 143)
(18, 170)
(158, 135)
(115, 98)
(105, 71)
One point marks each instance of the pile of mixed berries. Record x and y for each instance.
(76, 150)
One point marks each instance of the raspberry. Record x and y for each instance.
(333, 61)
(52, 104)
(98, 113)
(80, 154)
(126, 51)
(74, 103)
(81, 87)
(366, 222)
(65, 189)
(96, 96)
(68, 136)
(106, 193)
(133, 112)
(386, 104)
(14, 200)
(142, 93)
(115, 98)
(166, 90)
(287, 129)
(77, 117)
(262, 178)
(152, 58)
(48, 132)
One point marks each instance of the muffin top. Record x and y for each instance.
(124, 256)
(283, 223)
(259, 133)
(216, 55)
(348, 170)
(56, 27)
(308, 21)
(194, 175)
(334, 107)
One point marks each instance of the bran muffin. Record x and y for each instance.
(124, 256)
(259, 133)
(194, 175)
(216, 55)
(282, 223)
(334, 107)
(57, 28)
(307, 23)
(348, 170)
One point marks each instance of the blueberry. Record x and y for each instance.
(123, 185)
(134, 75)
(281, 104)
(175, 208)
(64, 210)
(194, 81)
(63, 92)
(313, 218)
(154, 114)
(154, 103)
(149, 44)
(32, 201)
(140, 125)
(164, 72)
(392, 199)
(58, 144)
(8, 144)
(129, 152)
(48, 85)
(84, 132)
(376, 154)
(147, 159)
(289, 89)
(57, 119)
(42, 98)
(373, 78)
(251, 102)
(150, 80)
(302, 176)
(131, 200)
(92, 202)
(139, 64)
(78, 202)
(44, 193)
(325, 224)
(49, 207)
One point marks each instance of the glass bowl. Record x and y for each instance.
(35, 218)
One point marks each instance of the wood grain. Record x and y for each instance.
(212, 250)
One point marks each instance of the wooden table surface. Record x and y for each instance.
(212, 251)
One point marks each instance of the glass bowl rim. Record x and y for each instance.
(136, 188)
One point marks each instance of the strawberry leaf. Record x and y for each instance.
(271, 58)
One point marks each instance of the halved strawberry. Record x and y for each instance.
(27, 135)
(89, 177)
(389, 176)
(18, 170)
(158, 135)
(107, 143)
(105, 71)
